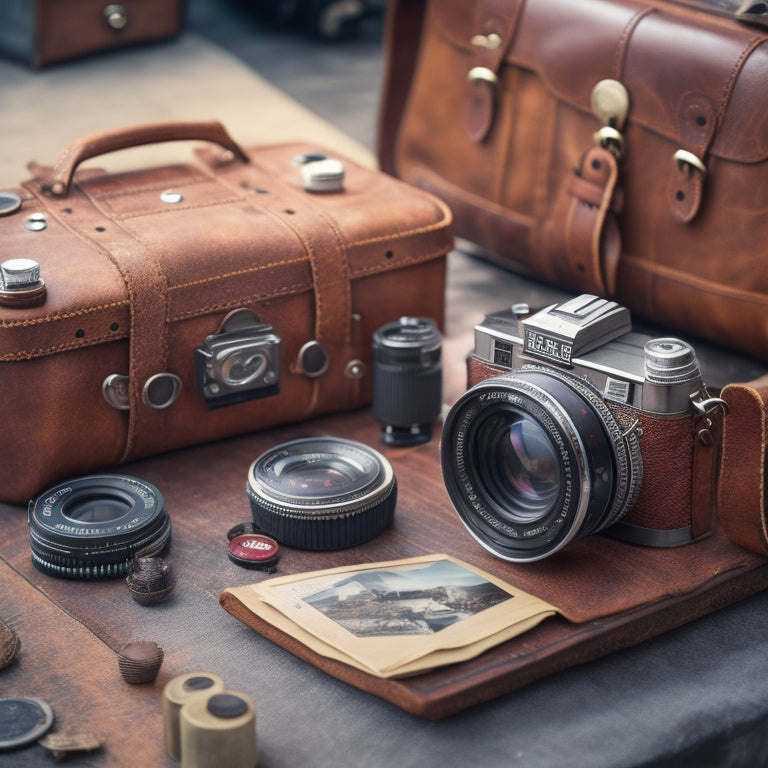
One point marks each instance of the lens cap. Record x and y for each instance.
(322, 493)
(23, 721)
(93, 527)
(254, 550)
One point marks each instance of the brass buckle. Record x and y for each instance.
(611, 139)
(483, 74)
(687, 160)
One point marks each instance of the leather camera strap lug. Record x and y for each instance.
(708, 428)
(491, 39)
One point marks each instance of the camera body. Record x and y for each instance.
(574, 424)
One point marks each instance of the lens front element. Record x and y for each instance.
(535, 459)
(522, 474)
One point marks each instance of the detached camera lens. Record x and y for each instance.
(93, 527)
(322, 493)
(407, 379)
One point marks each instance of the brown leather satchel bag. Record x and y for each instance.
(615, 147)
(192, 302)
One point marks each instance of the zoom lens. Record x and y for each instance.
(93, 527)
(535, 459)
(322, 493)
(407, 379)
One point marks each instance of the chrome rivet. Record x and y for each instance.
(323, 176)
(36, 222)
(313, 359)
(354, 369)
(19, 274)
(171, 197)
(115, 391)
(161, 390)
(116, 16)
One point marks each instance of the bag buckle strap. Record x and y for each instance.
(495, 24)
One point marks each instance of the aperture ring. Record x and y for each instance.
(93, 527)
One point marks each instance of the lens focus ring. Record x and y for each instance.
(322, 493)
(93, 527)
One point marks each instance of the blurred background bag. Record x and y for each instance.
(43, 32)
(604, 146)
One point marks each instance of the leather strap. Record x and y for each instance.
(706, 452)
(146, 289)
(742, 490)
(324, 244)
(698, 119)
(403, 25)
(582, 243)
(491, 38)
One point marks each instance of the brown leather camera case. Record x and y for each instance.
(139, 268)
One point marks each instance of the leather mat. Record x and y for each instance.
(621, 595)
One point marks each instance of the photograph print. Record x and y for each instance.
(401, 600)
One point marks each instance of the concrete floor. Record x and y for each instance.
(338, 80)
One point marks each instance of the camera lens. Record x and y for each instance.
(407, 379)
(535, 459)
(322, 493)
(93, 527)
(522, 473)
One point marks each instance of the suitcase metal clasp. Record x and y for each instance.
(240, 362)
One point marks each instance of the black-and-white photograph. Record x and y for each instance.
(403, 601)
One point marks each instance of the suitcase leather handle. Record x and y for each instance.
(100, 143)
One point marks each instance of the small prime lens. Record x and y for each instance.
(322, 493)
(407, 379)
(536, 459)
(94, 527)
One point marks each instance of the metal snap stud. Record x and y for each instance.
(171, 197)
(36, 222)
(115, 391)
(161, 390)
(313, 359)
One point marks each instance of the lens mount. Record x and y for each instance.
(535, 459)
(322, 493)
(93, 527)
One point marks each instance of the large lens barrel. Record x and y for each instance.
(535, 459)
(407, 379)
(93, 527)
(322, 493)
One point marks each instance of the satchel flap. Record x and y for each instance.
(664, 54)
(221, 235)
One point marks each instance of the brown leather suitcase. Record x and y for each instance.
(196, 301)
(44, 32)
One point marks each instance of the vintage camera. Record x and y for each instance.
(574, 424)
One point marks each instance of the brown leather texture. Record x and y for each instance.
(743, 468)
(613, 594)
(512, 149)
(135, 285)
(67, 30)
